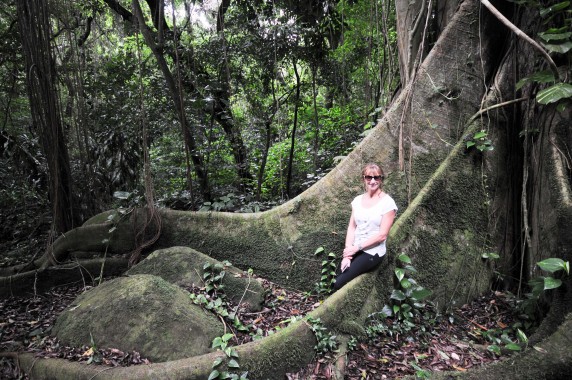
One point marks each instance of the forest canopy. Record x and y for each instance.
(234, 105)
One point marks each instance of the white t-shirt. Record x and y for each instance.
(368, 221)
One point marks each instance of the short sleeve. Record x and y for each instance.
(388, 205)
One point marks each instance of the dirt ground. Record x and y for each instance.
(456, 341)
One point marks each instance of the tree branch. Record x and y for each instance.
(522, 35)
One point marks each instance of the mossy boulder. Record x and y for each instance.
(142, 313)
(183, 266)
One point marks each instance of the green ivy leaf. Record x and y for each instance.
(387, 311)
(233, 364)
(319, 250)
(561, 48)
(494, 348)
(214, 374)
(405, 283)
(553, 264)
(554, 8)
(551, 283)
(399, 273)
(490, 255)
(217, 342)
(410, 269)
(521, 336)
(549, 36)
(554, 93)
(420, 294)
(404, 258)
(397, 295)
(513, 347)
(544, 76)
(217, 362)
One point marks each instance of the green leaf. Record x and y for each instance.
(521, 336)
(420, 294)
(387, 311)
(547, 36)
(217, 361)
(544, 76)
(410, 269)
(214, 374)
(554, 8)
(537, 286)
(228, 336)
(470, 143)
(554, 93)
(319, 250)
(397, 295)
(561, 48)
(513, 347)
(494, 348)
(490, 255)
(233, 364)
(551, 283)
(399, 273)
(552, 264)
(404, 258)
(217, 342)
(405, 283)
(480, 135)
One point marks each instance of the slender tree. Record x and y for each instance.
(34, 25)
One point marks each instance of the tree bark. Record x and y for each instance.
(293, 136)
(45, 108)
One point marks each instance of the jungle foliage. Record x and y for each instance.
(234, 105)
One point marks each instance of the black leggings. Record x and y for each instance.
(361, 263)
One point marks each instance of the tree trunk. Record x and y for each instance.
(223, 112)
(176, 96)
(45, 108)
(293, 137)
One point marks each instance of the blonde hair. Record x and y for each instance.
(373, 167)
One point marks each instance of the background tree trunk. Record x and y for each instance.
(45, 107)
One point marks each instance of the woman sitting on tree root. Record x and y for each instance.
(372, 217)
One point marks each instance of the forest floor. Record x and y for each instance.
(456, 341)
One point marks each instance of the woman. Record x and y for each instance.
(372, 217)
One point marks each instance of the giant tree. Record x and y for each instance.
(455, 194)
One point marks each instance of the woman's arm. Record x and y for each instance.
(350, 235)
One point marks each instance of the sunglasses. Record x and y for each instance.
(370, 177)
